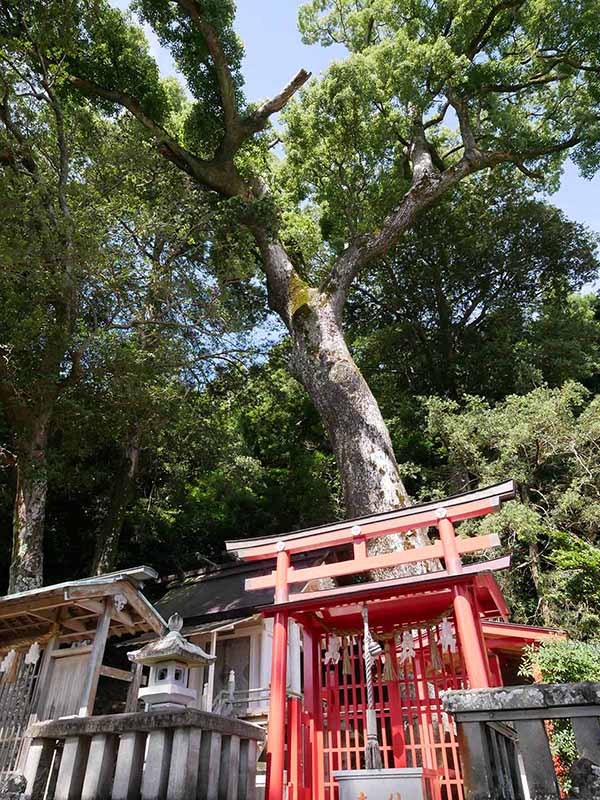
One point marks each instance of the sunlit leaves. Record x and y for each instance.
(528, 71)
(548, 441)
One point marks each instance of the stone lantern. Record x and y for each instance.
(170, 659)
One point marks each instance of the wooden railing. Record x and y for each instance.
(503, 739)
(155, 755)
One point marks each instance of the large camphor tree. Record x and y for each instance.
(430, 94)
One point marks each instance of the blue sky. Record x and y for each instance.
(274, 53)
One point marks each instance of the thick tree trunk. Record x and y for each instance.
(360, 439)
(109, 535)
(27, 566)
(321, 361)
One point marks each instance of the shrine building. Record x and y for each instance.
(442, 625)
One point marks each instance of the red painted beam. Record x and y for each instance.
(400, 519)
(370, 530)
(305, 602)
(524, 632)
(384, 561)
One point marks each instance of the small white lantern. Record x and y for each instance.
(170, 659)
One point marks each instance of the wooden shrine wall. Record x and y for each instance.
(414, 732)
(68, 671)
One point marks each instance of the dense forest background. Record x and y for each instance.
(138, 353)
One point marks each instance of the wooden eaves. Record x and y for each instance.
(71, 610)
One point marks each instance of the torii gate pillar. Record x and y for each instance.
(468, 624)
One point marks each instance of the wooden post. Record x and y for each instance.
(185, 763)
(37, 766)
(467, 628)
(247, 782)
(137, 672)
(211, 672)
(294, 749)
(230, 768)
(426, 733)
(276, 726)
(88, 695)
(448, 539)
(495, 669)
(72, 768)
(295, 680)
(396, 716)
(468, 625)
(210, 765)
(158, 762)
(43, 679)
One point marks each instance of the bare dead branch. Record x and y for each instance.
(280, 100)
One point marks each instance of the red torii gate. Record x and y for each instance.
(456, 578)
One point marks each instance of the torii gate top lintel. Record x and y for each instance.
(441, 514)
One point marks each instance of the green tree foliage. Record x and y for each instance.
(506, 72)
(475, 299)
(562, 661)
(243, 455)
(385, 181)
(430, 94)
(52, 245)
(181, 313)
(254, 463)
(107, 279)
(548, 441)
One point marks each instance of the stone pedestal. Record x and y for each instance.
(381, 784)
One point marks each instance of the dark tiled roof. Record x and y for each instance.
(216, 593)
(220, 593)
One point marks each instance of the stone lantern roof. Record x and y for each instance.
(172, 646)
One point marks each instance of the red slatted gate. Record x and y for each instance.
(414, 732)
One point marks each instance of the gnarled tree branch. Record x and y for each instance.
(365, 249)
(422, 195)
(218, 176)
(237, 129)
(459, 104)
